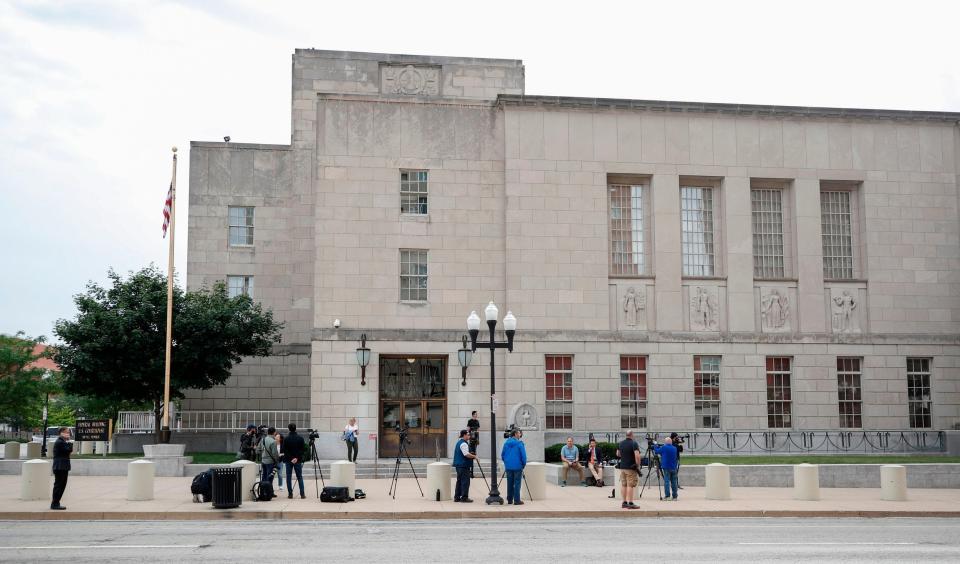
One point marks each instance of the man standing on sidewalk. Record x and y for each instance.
(514, 456)
(463, 462)
(61, 466)
(668, 463)
(629, 452)
(293, 455)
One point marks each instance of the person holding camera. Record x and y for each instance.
(570, 456)
(463, 462)
(269, 456)
(247, 443)
(669, 466)
(629, 453)
(293, 447)
(514, 456)
(595, 462)
(350, 433)
(678, 442)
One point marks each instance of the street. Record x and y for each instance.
(487, 540)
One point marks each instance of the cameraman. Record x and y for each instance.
(247, 441)
(678, 442)
(669, 466)
(293, 447)
(514, 456)
(473, 425)
(463, 462)
(629, 453)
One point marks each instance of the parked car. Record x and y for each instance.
(52, 433)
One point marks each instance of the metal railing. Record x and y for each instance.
(143, 421)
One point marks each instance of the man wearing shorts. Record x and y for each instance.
(629, 452)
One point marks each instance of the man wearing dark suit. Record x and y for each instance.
(61, 466)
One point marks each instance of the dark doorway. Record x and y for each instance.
(413, 394)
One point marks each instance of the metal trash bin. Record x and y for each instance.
(226, 487)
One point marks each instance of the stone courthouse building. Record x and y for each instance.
(673, 265)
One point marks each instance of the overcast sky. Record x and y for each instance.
(93, 94)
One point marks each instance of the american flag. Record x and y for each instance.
(166, 210)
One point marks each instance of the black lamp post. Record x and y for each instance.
(510, 328)
(363, 359)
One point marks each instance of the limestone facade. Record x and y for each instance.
(518, 211)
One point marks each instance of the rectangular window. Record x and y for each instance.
(768, 234)
(627, 230)
(918, 393)
(633, 392)
(413, 275)
(413, 191)
(778, 392)
(559, 404)
(239, 285)
(696, 220)
(848, 393)
(241, 225)
(836, 223)
(706, 391)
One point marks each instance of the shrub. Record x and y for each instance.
(552, 452)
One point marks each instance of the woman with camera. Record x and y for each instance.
(350, 434)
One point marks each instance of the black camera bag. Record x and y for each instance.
(335, 494)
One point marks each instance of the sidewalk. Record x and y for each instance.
(103, 497)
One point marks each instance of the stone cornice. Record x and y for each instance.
(722, 109)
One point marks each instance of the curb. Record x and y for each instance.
(438, 515)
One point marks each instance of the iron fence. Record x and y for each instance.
(143, 421)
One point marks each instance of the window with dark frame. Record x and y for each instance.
(633, 392)
(239, 285)
(919, 402)
(849, 393)
(706, 391)
(779, 398)
(413, 192)
(559, 388)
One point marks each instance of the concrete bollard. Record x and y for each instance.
(438, 478)
(806, 482)
(343, 474)
(35, 480)
(86, 447)
(536, 479)
(11, 450)
(248, 476)
(33, 450)
(140, 475)
(893, 482)
(717, 481)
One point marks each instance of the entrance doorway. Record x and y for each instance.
(413, 395)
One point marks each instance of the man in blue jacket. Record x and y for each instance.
(514, 456)
(463, 462)
(668, 463)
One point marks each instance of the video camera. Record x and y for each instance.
(680, 438)
(312, 435)
(404, 434)
(508, 432)
(652, 441)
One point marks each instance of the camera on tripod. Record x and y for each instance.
(509, 431)
(652, 441)
(404, 434)
(312, 435)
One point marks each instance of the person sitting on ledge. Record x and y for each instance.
(595, 462)
(570, 456)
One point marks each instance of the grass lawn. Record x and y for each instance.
(693, 459)
(213, 457)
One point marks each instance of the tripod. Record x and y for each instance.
(401, 452)
(653, 466)
(523, 478)
(316, 467)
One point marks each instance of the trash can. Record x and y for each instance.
(226, 487)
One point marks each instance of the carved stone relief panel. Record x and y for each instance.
(704, 308)
(525, 417)
(632, 308)
(846, 310)
(410, 80)
(775, 310)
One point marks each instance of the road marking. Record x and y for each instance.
(79, 546)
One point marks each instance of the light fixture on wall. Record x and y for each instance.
(464, 356)
(363, 359)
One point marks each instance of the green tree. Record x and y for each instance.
(22, 387)
(114, 349)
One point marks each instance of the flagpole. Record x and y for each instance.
(165, 429)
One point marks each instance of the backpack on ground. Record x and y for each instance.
(263, 491)
(202, 487)
(335, 494)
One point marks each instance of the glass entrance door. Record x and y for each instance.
(413, 397)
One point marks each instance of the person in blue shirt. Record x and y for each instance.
(570, 456)
(514, 456)
(463, 462)
(669, 465)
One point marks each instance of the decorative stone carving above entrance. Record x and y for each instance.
(525, 417)
(704, 309)
(409, 80)
(774, 310)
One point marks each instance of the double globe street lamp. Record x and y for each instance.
(465, 355)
